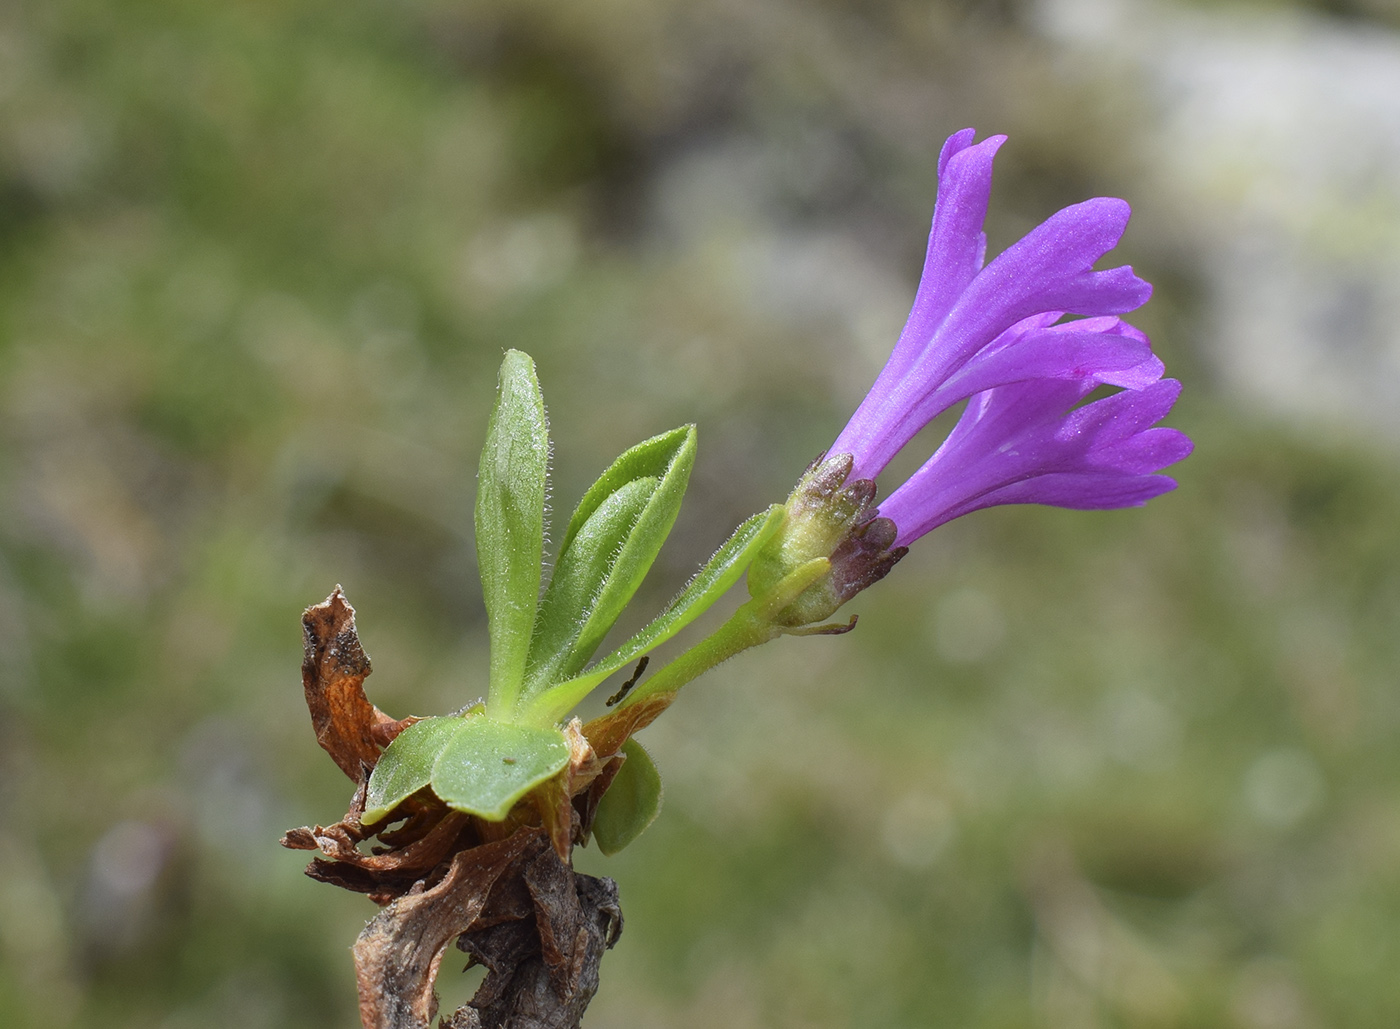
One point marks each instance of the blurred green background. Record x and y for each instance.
(258, 263)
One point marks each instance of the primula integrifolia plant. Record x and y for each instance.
(1023, 340)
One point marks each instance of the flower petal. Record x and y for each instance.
(1048, 269)
(956, 243)
(957, 315)
(1121, 415)
(1148, 451)
(1079, 491)
(956, 248)
(1046, 354)
(1026, 443)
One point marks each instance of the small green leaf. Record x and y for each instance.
(631, 803)
(610, 544)
(580, 577)
(650, 457)
(510, 523)
(406, 766)
(708, 585)
(488, 765)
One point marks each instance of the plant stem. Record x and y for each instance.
(539, 928)
(747, 627)
(743, 629)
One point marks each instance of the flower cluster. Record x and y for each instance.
(995, 335)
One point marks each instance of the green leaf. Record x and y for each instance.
(632, 802)
(579, 580)
(610, 544)
(510, 524)
(406, 766)
(488, 765)
(708, 585)
(650, 457)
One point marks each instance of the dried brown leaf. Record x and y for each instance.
(333, 672)
(607, 733)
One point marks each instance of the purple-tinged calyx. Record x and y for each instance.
(829, 517)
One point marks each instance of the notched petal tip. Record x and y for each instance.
(1077, 235)
(960, 150)
(954, 145)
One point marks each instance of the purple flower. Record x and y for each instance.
(993, 336)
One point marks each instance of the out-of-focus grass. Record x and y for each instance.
(257, 266)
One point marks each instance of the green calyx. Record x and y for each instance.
(826, 517)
